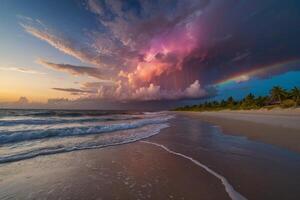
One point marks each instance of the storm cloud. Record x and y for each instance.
(158, 50)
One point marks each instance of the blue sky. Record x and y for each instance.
(259, 87)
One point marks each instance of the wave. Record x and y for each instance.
(62, 113)
(66, 113)
(19, 136)
(49, 121)
(88, 145)
(233, 194)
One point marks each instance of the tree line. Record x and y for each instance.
(278, 97)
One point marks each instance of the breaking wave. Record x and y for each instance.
(24, 136)
(112, 141)
(18, 136)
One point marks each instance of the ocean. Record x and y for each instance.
(29, 133)
(215, 165)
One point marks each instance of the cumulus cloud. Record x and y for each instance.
(155, 50)
(154, 92)
(101, 89)
(139, 49)
(73, 69)
(195, 90)
(22, 101)
(147, 93)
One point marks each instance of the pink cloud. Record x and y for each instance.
(195, 90)
(137, 51)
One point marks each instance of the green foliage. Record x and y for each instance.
(277, 93)
(261, 101)
(278, 97)
(287, 103)
(249, 102)
(295, 94)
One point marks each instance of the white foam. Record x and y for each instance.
(234, 195)
(94, 145)
(26, 135)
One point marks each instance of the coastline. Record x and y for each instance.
(278, 127)
(191, 159)
(130, 171)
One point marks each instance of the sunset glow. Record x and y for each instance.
(133, 99)
(101, 51)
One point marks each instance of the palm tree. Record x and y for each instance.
(250, 97)
(248, 102)
(295, 92)
(278, 93)
(230, 102)
(223, 103)
(261, 101)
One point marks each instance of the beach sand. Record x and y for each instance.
(141, 170)
(132, 171)
(279, 127)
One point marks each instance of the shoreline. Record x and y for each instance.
(277, 127)
(127, 171)
(189, 151)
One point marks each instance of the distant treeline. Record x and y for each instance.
(278, 97)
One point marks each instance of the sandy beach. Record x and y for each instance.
(149, 100)
(188, 160)
(279, 127)
(134, 171)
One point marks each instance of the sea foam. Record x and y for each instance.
(233, 194)
(117, 139)
(18, 136)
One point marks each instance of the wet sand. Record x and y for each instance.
(132, 171)
(144, 171)
(278, 127)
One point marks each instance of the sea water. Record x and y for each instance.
(29, 133)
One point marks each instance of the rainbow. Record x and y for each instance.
(258, 70)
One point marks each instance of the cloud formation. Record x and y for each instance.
(64, 45)
(72, 69)
(195, 90)
(21, 69)
(73, 90)
(158, 50)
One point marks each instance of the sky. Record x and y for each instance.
(101, 54)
